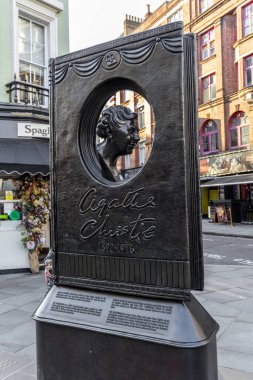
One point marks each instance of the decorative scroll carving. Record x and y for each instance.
(85, 69)
(111, 59)
(138, 55)
(173, 45)
(171, 28)
(60, 74)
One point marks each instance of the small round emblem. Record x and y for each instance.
(111, 60)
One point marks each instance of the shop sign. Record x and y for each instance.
(9, 195)
(231, 163)
(8, 207)
(33, 130)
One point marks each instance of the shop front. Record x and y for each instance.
(24, 197)
(227, 187)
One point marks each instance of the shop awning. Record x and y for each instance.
(20, 156)
(229, 180)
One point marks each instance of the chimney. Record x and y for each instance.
(131, 23)
(148, 14)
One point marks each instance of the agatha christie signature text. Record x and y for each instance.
(100, 221)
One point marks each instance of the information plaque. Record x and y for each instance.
(138, 318)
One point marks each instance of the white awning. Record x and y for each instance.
(237, 179)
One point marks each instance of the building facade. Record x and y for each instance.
(224, 50)
(31, 32)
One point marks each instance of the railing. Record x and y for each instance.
(27, 93)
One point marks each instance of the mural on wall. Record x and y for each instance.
(226, 164)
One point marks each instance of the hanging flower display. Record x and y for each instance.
(34, 193)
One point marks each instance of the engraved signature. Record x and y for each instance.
(132, 200)
(141, 228)
(137, 230)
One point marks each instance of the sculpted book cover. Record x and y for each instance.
(131, 231)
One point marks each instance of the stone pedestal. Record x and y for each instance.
(100, 336)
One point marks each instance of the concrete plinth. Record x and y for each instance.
(99, 336)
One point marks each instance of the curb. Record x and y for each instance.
(228, 235)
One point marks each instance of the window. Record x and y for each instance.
(177, 16)
(235, 27)
(248, 70)
(239, 130)
(127, 161)
(237, 76)
(32, 52)
(209, 88)
(207, 44)
(205, 4)
(142, 152)
(125, 96)
(141, 117)
(247, 19)
(209, 137)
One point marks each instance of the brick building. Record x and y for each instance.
(224, 48)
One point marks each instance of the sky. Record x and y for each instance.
(92, 22)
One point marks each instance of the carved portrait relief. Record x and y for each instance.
(118, 128)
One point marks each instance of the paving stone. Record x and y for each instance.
(238, 337)
(14, 317)
(30, 307)
(3, 296)
(220, 268)
(29, 350)
(11, 347)
(215, 285)
(14, 289)
(242, 293)
(23, 279)
(231, 374)
(30, 369)
(240, 282)
(23, 299)
(240, 272)
(11, 363)
(20, 376)
(224, 323)
(9, 277)
(235, 360)
(243, 305)
(22, 334)
(229, 295)
(245, 317)
(217, 268)
(4, 308)
(218, 309)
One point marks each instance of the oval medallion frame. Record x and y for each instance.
(91, 111)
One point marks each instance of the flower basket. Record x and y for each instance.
(34, 192)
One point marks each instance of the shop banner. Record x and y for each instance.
(231, 163)
(33, 130)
